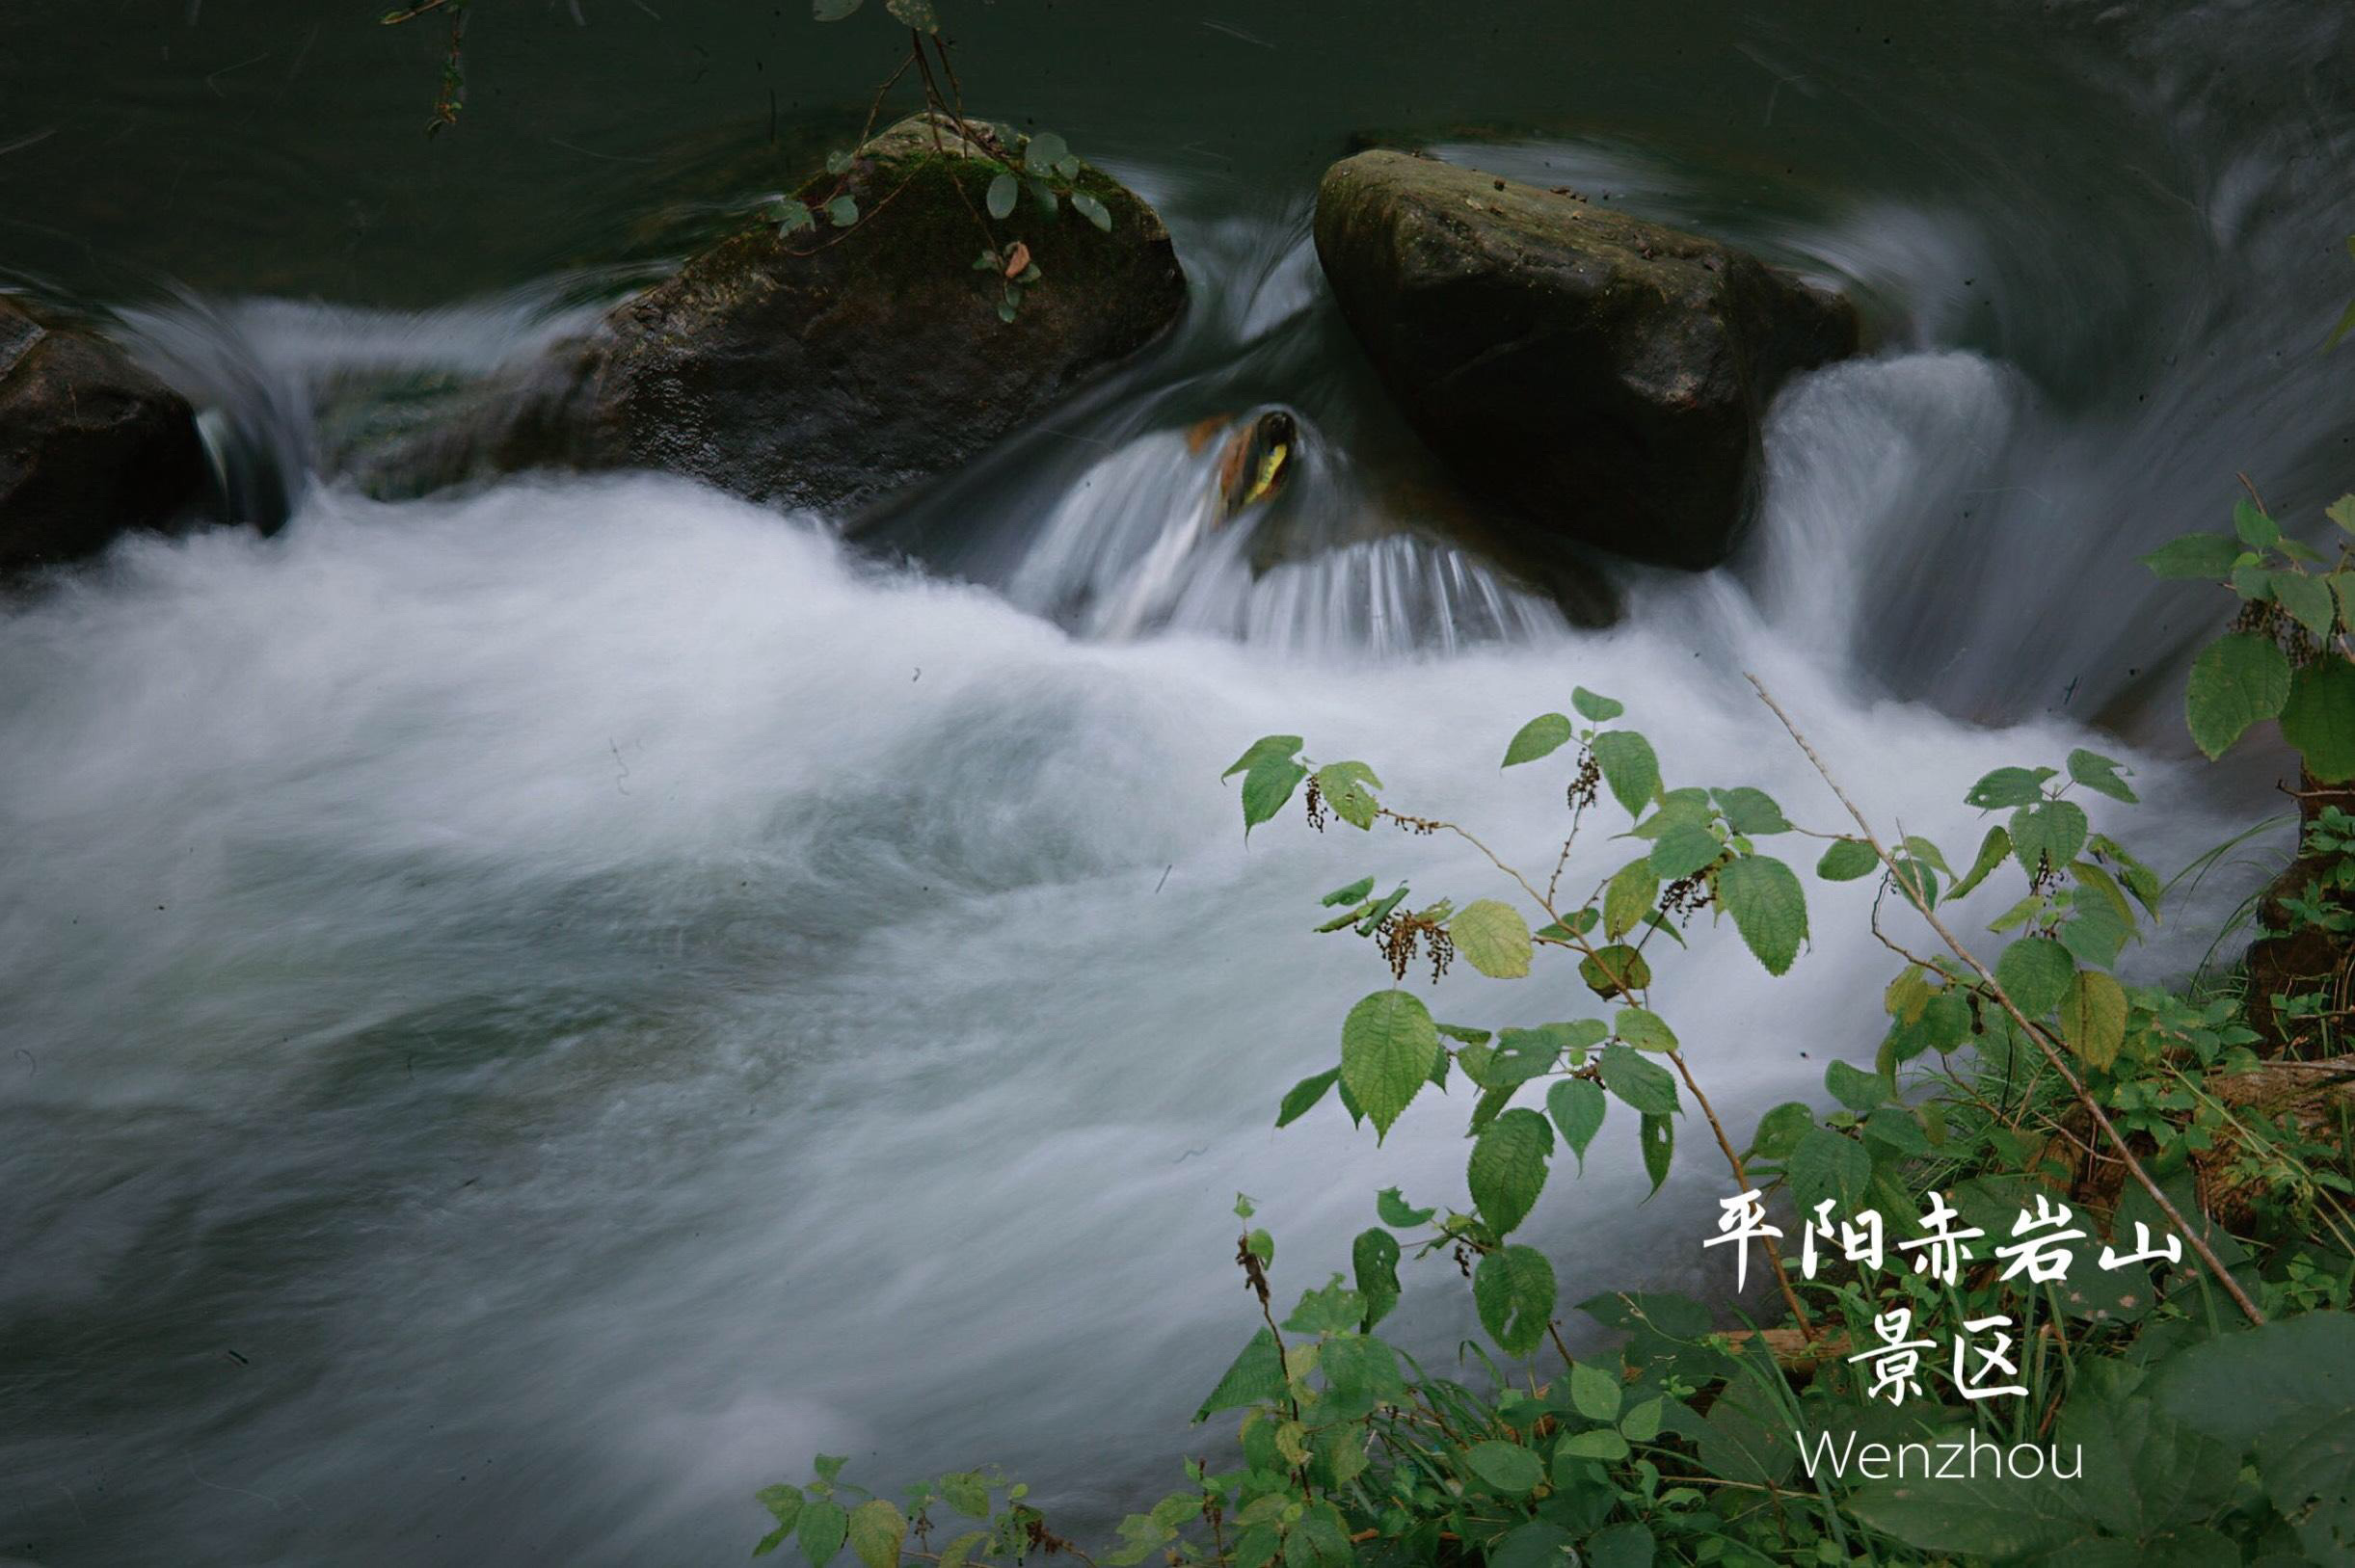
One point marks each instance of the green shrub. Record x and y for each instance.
(2210, 1399)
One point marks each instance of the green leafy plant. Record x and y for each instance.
(2289, 655)
(2039, 1075)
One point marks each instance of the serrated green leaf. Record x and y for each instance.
(1828, 1165)
(1847, 860)
(2008, 786)
(1281, 746)
(1768, 907)
(1629, 896)
(1645, 1086)
(1347, 788)
(1494, 936)
(1534, 1545)
(1303, 1096)
(1577, 1106)
(2236, 682)
(1598, 1443)
(1618, 970)
(878, 1530)
(1928, 853)
(2094, 934)
(2103, 886)
(1993, 850)
(1629, 768)
(822, 1526)
(1853, 1087)
(2308, 599)
(967, 1492)
(1508, 1467)
(2046, 837)
(2035, 972)
(1387, 1044)
(1375, 1258)
(2100, 774)
(2256, 530)
(1781, 1128)
(2319, 720)
(1750, 813)
(1682, 851)
(2093, 1018)
(784, 1504)
(1267, 787)
(1644, 1030)
(1541, 736)
(1508, 1168)
(1257, 1373)
(1916, 880)
(1657, 1137)
(1522, 1054)
(1981, 1518)
(1394, 1209)
(1512, 1289)
(1595, 706)
(2208, 557)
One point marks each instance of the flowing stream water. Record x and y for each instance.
(525, 1015)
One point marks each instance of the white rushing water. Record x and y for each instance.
(525, 1014)
(592, 995)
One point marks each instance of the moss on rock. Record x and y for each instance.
(1596, 378)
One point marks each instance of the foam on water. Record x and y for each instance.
(595, 995)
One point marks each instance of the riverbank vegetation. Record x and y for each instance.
(1925, 1248)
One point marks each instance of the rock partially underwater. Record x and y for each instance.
(1597, 379)
(836, 367)
(91, 446)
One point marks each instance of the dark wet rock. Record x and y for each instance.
(1594, 378)
(833, 368)
(91, 446)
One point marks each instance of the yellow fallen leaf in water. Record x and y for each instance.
(1270, 468)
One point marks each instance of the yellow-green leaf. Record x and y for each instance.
(877, 1531)
(1494, 936)
(1629, 897)
(2093, 1018)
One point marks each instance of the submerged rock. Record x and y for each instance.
(1598, 377)
(91, 445)
(829, 368)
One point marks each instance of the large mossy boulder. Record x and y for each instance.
(91, 446)
(831, 368)
(1596, 378)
